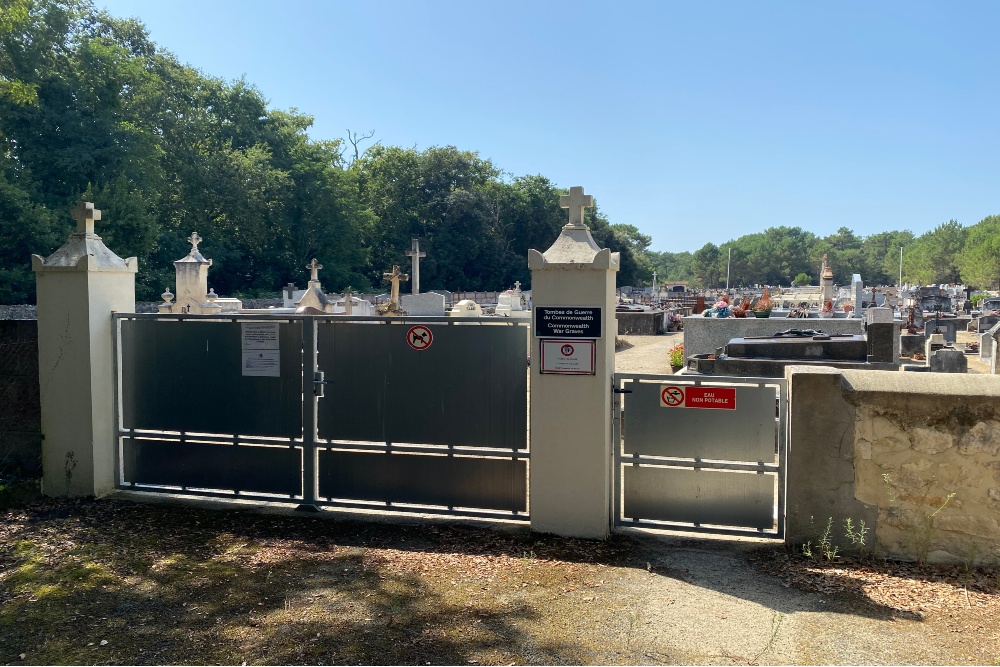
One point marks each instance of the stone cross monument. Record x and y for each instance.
(78, 287)
(314, 268)
(394, 277)
(414, 254)
(571, 414)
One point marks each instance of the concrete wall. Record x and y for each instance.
(890, 448)
(20, 425)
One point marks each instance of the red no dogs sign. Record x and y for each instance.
(712, 398)
(419, 337)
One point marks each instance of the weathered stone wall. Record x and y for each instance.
(641, 324)
(917, 456)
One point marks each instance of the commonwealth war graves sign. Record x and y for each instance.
(567, 322)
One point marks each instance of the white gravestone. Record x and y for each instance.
(426, 304)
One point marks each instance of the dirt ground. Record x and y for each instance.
(116, 581)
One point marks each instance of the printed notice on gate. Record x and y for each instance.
(262, 363)
(260, 336)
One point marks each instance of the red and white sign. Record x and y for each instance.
(419, 337)
(568, 357)
(712, 398)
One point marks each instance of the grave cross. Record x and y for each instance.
(314, 268)
(289, 291)
(517, 285)
(85, 215)
(576, 201)
(395, 277)
(414, 254)
(194, 240)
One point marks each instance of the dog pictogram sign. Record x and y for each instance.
(419, 337)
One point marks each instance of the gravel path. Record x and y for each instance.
(647, 354)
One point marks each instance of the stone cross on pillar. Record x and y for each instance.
(395, 277)
(517, 285)
(194, 240)
(348, 301)
(314, 268)
(85, 215)
(414, 254)
(576, 201)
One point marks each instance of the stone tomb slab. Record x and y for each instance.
(426, 304)
(834, 348)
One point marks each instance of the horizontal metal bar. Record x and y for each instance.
(478, 452)
(332, 318)
(690, 528)
(421, 509)
(625, 459)
(222, 438)
(710, 380)
(381, 508)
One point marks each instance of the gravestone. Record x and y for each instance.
(948, 360)
(426, 304)
(858, 290)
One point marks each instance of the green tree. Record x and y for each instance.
(979, 259)
(706, 266)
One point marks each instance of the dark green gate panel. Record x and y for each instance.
(468, 388)
(712, 497)
(200, 465)
(187, 376)
(481, 483)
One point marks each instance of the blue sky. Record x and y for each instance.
(694, 121)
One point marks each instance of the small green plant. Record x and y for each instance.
(925, 531)
(857, 536)
(890, 487)
(807, 549)
(826, 547)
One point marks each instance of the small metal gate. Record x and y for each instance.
(404, 414)
(700, 454)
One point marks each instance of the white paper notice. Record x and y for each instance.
(260, 336)
(262, 363)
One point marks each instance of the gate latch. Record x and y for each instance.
(319, 382)
(621, 391)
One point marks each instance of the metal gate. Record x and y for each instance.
(405, 414)
(700, 454)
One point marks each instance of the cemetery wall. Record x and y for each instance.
(916, 456)
(20, 419)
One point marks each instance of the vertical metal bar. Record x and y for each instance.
(782, 453)
(310, 359)
(116, 412)
(616, 448)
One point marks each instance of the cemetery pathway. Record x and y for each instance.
(646, 354)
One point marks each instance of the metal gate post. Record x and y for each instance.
(312, 390)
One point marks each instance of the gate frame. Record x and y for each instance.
(309, 440)
(620, 459)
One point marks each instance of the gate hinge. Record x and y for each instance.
(319, 382)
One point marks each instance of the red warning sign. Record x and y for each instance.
(419, 337)
(714, 398)
(717, 398)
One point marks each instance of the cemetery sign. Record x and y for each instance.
(567, 322)
(569, 357)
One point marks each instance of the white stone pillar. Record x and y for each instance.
(79, 286)
(570, 485)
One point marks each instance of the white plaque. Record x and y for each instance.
(568, 357)
(262, 363)
(260, 335)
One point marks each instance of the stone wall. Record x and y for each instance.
(648, 323)
(20, 418)
(916, 456)
(702, 335)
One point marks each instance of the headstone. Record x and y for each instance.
(985, 345)
(858, 291)
(427, 304)
(192, 284)
(948, 360)
(878, 315)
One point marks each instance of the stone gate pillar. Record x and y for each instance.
(572, 363)
(79, 286)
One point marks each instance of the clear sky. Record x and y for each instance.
(694, 121)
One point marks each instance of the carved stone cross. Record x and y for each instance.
(517, 285)
(395, 277)
(414, 254)
(194, 240)
(314, 268)
(290, 291)
(85, 215)
(576, 201)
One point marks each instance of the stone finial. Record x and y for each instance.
(167, 296)
(211, 296)
(85, 215)
(194, 240)
(576, 201)
(314, 268)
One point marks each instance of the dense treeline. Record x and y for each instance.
(90, 107)
(949, 253)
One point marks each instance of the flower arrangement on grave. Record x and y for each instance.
(764, 305)
(847, 308)
(827, 307)
(677, 355)
(720, 308)
(675, 322)
(742, 309)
